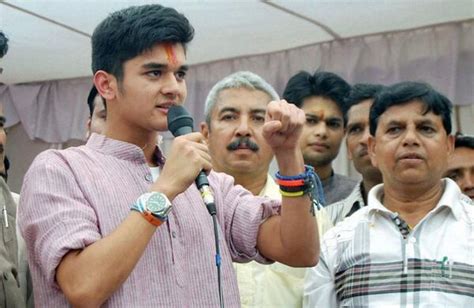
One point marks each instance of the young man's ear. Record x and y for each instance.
(106, 85)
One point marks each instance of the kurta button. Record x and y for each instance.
(173, 234)
(148, 178)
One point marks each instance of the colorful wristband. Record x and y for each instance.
(293, 188)
(290, 182)
(292, 194)
(298, 185)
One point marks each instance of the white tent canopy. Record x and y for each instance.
(50, 39)
(47, 73)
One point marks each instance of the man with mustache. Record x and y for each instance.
(358, 105)
(461, 164)
(13, 262)
(412, 245)
(115, 224)
(235, 113)
(321, 97)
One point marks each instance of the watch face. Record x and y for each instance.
(157, 204)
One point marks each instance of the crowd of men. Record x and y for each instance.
(116, 223)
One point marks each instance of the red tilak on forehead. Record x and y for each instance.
(170, 53)
(320, 114)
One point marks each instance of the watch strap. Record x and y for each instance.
(154, 220)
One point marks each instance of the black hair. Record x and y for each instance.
(463, 141)
(6, 164)
(360, 92)
(91, 100)
(127, 33)
(404, 92)
(325, 84)
(3, 44)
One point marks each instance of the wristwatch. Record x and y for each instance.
(154, 206)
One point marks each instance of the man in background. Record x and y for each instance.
(13, 260)
(97, 113)
(235, 113)
(461, 164)
(358, 105)
(321, 96)
(3, 137)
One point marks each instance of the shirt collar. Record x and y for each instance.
(355, 200)
(122, 150)
(449, 199)
(358, 193)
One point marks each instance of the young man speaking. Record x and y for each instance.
(111, 223)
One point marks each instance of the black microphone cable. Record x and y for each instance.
(180, 123)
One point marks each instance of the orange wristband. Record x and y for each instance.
(290, 182)
(152, 219)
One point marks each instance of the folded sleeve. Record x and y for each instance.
(54, 216)
(243, 213)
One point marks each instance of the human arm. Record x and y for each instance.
(91, 267)
(89, 276)
(66, 234)
(292, 237)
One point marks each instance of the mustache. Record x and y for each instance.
(243, 142)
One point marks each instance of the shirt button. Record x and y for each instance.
(148, 178)
(173, 234)
(413, 240)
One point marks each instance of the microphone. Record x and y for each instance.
(180, 123)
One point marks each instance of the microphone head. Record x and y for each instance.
(180, 121)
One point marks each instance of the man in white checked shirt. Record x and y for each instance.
(412, 246)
